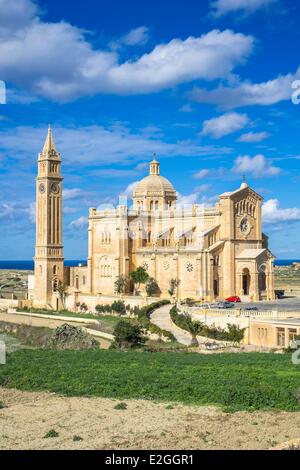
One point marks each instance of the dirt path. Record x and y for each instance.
(45, 322)
(27, 417)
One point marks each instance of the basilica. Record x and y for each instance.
(211, 252)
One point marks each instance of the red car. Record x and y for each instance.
(234, 299)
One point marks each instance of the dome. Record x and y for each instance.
(154, 192)
(154, 185)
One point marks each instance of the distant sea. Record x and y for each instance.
(29, 265)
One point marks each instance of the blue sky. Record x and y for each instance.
(206, 85)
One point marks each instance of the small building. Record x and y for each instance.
(273, 333)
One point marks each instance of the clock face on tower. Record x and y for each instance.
(245, 226)
(42, 188)
(55, 188)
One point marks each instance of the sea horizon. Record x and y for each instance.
(28, 265)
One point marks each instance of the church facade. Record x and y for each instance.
(212, 252)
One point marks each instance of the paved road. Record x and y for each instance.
(282, 305)
(161, 318)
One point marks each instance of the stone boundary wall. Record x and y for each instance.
(273, 314)
(98, 333)
(9, 303)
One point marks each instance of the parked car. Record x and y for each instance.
(234, 299)
(225, 305)
(206, 306)
(250, 309)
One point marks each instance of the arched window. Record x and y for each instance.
(83, 280)
(76, 282)
(54, 269)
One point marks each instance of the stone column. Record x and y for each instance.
(254, 291)
(240, 290)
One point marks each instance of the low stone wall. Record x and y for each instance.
(54, 317)
(275, 314)
(9, 303)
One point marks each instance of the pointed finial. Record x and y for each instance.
(154, 157)
(244, 184)
(49, 142)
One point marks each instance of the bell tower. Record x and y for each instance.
(49, 261)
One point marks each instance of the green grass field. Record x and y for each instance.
(234, 381)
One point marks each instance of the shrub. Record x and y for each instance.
(128, 335)
(143, 315)
(72, 337)
(118, 306)
(77, 438)
(51, 433)
(174, 283)
(103, 308)
(121, 406)
(121, 284)
(2, 405)
(152, 287)
(233, 333)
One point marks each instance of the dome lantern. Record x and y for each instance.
(154, 166)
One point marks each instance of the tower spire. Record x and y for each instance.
(49, 142)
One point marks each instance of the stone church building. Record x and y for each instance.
(213, 252)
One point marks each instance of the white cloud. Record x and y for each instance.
(202, 188)
(6, 211)
(16, 15)
(67, 66)
(81, 222)
(130, 189)
(70, 210)
(187, 200)
(253, 137)
(247, 93)
(201, 174)
(32, 211)
(69, 194)
(223, 125)
(98, 144)
(186, 108)
(137, 36)
(273, 214)
(258, 166)
(223, 7)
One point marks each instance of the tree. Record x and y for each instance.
(61, 289)
(174, 283)
(138, 277)
(195, 328)
(121, 284)
(235, 333)
(151, 287)
(128, 335)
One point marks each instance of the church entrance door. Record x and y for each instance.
(246, 281)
